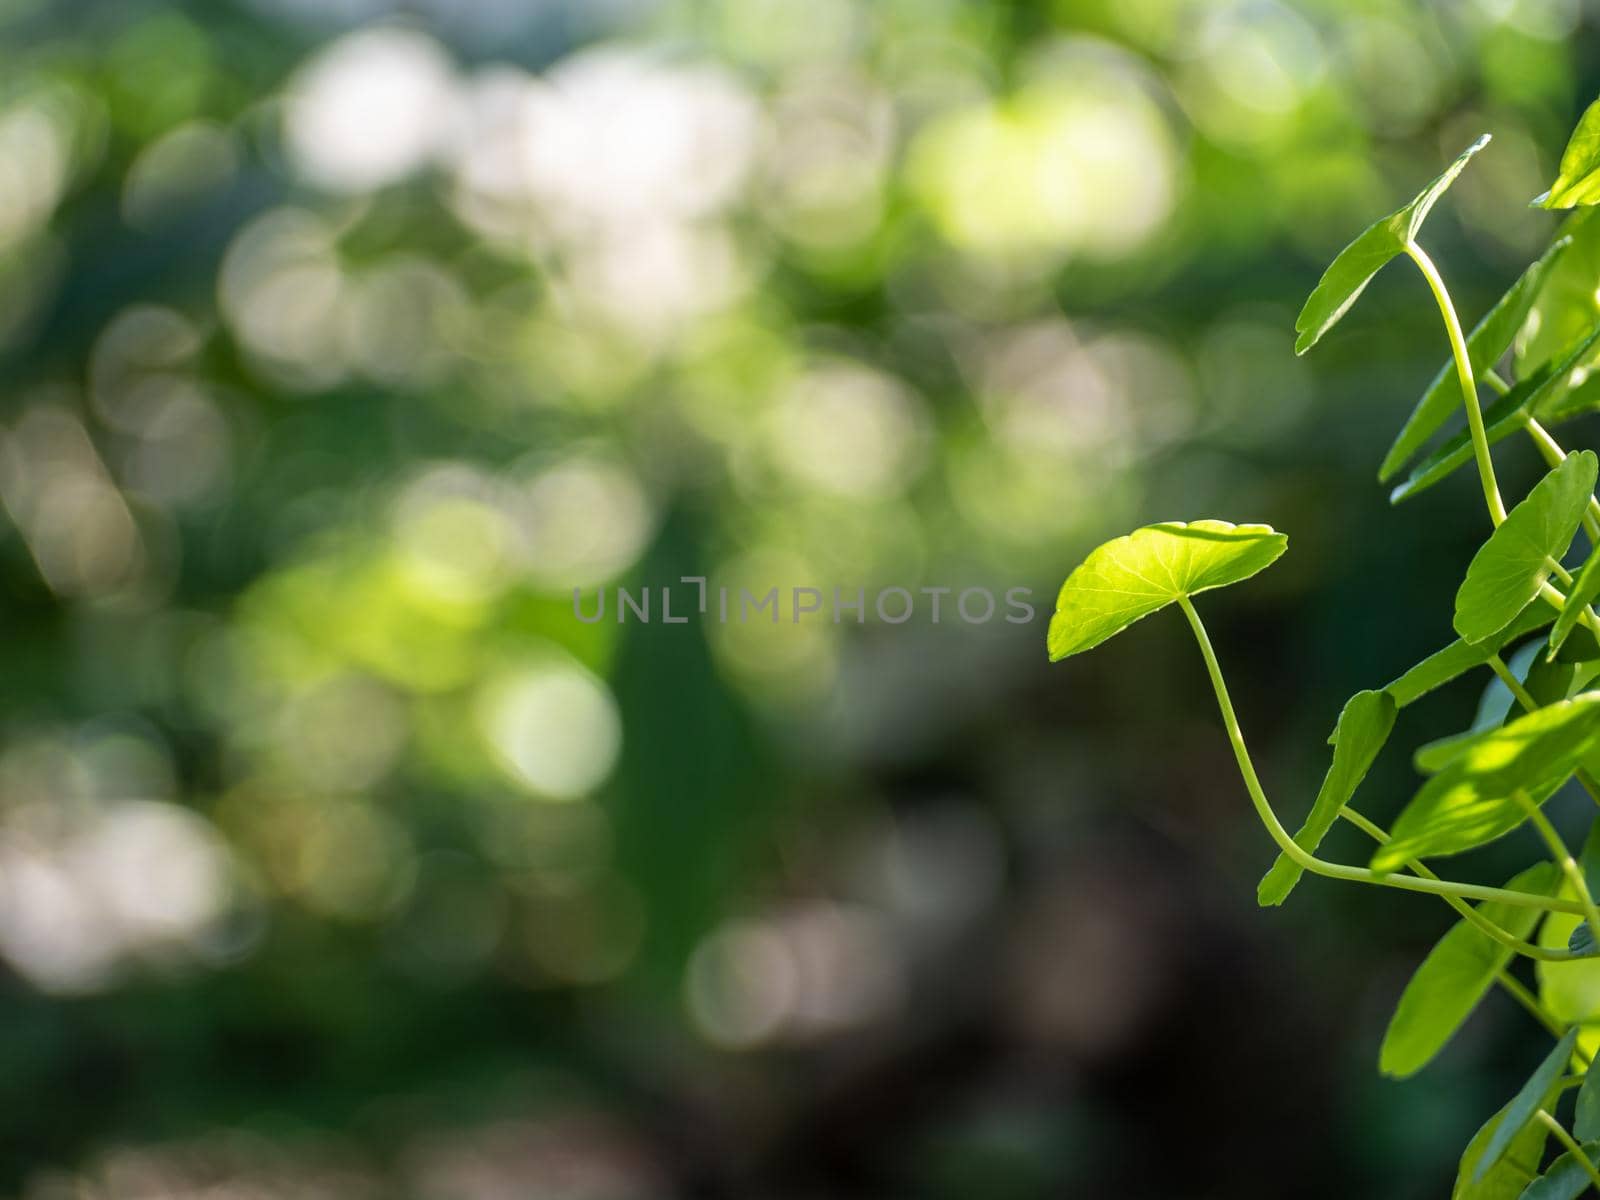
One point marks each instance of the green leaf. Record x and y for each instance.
(1582, 593)
(1562, 396)
(1564, 1179)
(1546, 682)
(1528, 1100)
(1581, 940)
(1474, 799)
(1361, 731)
(1490, 338)
(1568, 305)
(1507, 571)
(1501, 419)
(1578, 180)
(1586, 1117)
(1432, 757)
(1461, 656)
(1518, 1164)
(1459, 969)
(1131, 577)
(1349, 273)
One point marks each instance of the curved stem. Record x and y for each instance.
(1297, 854)
(1570, 1144)
(1499, 667)
(1469, 387)
(1563, 858)
(1465, 911)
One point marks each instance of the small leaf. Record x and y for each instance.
(1578, 180)
(1564, 1179)
(1582, 940)
(1349, 273)
(1475, 798)
(1131, 577)
(1501, 419)
(1461, 656)
(1489, 339)
(1459, 969)
(1528, 1100)
(1582, 593)
(1517, 1166)
(1362, 728)
(1508, 570)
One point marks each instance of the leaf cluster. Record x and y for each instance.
(1519, 611)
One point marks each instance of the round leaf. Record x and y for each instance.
(1133, 576)
(1506, 573)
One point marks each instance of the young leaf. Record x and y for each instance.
(1583, 592)
(1361, 731)
(1518, 1165)
(1131, 577)
(1582, 940)
(1348, 275)
(1457, 972)
(1508, 570)
(1564, 1179)
(1489, 339)
(1528, 1100)
(1475, 798)
(1461, 656)
(1578, 180)
(1501, 419)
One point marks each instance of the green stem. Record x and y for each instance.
(1529, 1001)
(1297, 854)
(1562, 856)
(1464, 910)
(1498, 666)
(1552, 453)
(1570, 1144)
(1469, 387)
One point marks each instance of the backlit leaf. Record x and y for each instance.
(1361, 731)
(1131, 577)
(1459, 969)
(1568, 305)
(1350, 272)
(1563, 394)
(1506, 573)
(1489, 339)
(1578, 179)
(1474, 799)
